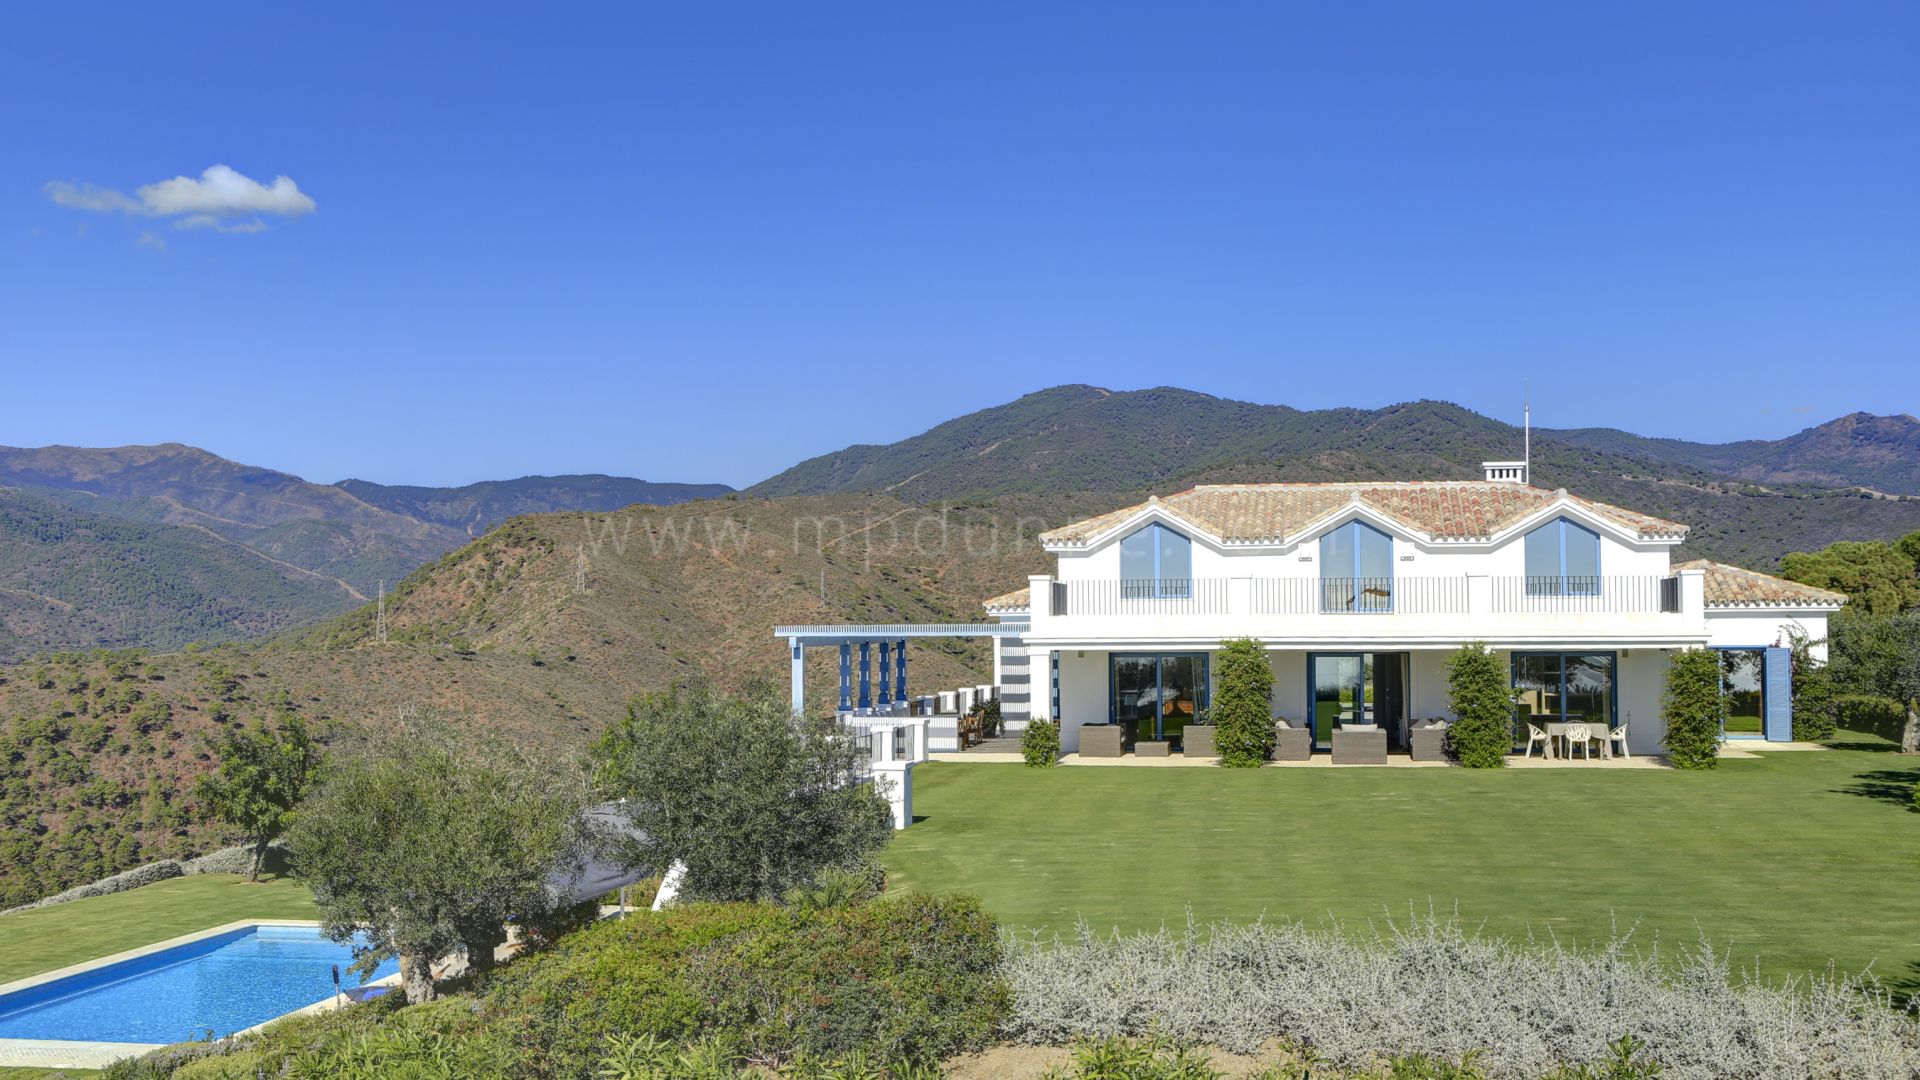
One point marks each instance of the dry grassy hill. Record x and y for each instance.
(542, 630)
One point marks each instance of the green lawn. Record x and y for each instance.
(53, 937)
(1793, 858)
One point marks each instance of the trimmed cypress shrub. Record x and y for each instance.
(1480, 692)
(1243, 704)
(1696, 709)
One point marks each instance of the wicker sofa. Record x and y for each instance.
(1359, 746)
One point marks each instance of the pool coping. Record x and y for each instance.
(80, 1054)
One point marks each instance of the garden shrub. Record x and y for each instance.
(238, 860)
(1430, 987)
(989, 711)
(1696, 709)
(1040, 743)
(1871, 715)
(1480, 693)
(899, 977)
(1242, 711)
(907, 978)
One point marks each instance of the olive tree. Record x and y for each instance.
(1243, 704)
(263, 774)
(1480, 693)
(1696, 709)
(752, 799)
(430, 841)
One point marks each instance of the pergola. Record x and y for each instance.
(888, 639)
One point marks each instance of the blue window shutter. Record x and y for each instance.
(1779, 677)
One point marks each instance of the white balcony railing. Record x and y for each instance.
(1576, 595)
(1147, 596)
(1359, 597)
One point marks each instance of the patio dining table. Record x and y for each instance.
(1558, 731)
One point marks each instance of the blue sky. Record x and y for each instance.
(701, 241)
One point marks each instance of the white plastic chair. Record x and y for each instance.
(1536, 734)
(1618, 736)
(1580, 735)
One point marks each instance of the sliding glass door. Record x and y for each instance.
(1155, 696)
(1358, 688)
(1562, 687)
(1339, 693)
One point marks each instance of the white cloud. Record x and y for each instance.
(222, 192)
(204, 203)
(151, 239)
(208, 221)
(89, 197)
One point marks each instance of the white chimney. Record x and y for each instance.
(1505, 472)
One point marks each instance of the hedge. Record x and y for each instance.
(1872, 715)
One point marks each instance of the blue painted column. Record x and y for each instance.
(866, 675)
(886, 673)
(900, 670)
(799, 678)
(1053, 678)
(846, 677)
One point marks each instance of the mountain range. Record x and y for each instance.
(1084, 438)
(159, 545)
(548, 622)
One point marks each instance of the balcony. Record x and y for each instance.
(1410, 608)
(1142, 596)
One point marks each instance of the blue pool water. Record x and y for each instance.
(221, 985)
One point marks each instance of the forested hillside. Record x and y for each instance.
(1083, 438)
(475, 508)
(70, 577)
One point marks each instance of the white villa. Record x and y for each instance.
(1359, 591)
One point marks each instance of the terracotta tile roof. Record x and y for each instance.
(1442, 509)
(1732, 586)
(1018, 598)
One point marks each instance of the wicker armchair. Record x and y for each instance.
(1427, 743)
(1292, 743)
(1100, 740)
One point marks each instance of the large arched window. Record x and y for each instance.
(1356, 569)
(1563, 559)
(1156, 562)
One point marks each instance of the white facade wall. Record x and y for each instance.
(1760, 628)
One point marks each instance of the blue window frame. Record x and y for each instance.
(1156, 563)
(1563, 559)
(1156, 695)
(1569, 687)
(1356, 569)
(1743, 682)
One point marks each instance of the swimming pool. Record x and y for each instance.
(220, 984)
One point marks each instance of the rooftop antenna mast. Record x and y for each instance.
(380, 616)
(1526, 436)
